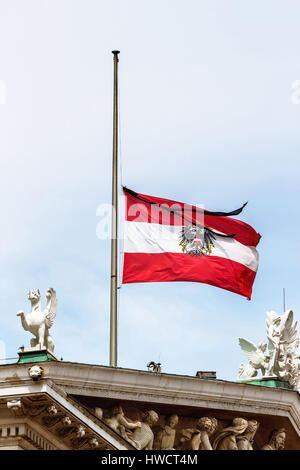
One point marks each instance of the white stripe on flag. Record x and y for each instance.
(141, 237)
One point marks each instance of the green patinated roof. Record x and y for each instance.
(273, 383)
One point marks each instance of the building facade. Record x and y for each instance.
(50, 404)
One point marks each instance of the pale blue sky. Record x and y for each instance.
(206, 117)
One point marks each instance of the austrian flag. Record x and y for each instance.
(166, 241)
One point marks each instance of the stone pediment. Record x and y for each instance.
(42, 417)
(69, 407)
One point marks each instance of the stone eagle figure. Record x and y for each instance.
(39, 321)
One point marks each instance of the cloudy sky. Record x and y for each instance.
(207, 115)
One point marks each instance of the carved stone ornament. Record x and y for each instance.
(35, 372)
(165, 437)
(198, 438)
(53, 416)
(282, 360)
(119, 423)
(20, 408)
(50, 421)
(245, 441)
(65, 431)
(78, 442)
(16, 407)
(66, 421)
(93, 442)
(99, 412)
(205, 433)
(35, 410)
(276, 440)
(80, 431)
(226, 439)
(38, 321)
(143, 436)
(52, 410)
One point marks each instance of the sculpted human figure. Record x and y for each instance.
(276, 440)
(119, 423)
(207, 430)
(214, 426)
(281, 332)
(245, 441)
(226, 439)
(164, 439)
(198, 438)
(143, 436)
(294, 368)
(273, 335)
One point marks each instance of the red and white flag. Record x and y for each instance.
(166, 241)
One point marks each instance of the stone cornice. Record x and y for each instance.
(127, 384)
(22, 390)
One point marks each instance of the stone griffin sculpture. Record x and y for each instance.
(282, 360)
(39, 321)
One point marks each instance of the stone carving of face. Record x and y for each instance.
(214, 425)
(151, 417)
(117, 410)
(252, 426)
(172, 421)
(52, 410)
(35, 372)
(279, 440)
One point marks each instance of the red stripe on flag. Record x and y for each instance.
(139, 211)
(166, 267)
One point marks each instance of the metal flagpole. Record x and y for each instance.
(114, 232)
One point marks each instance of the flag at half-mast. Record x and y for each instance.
(167, 241)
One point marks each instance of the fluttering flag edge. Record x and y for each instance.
(139, 267)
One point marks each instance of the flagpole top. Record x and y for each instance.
(115, 52)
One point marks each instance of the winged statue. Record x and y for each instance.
(282, 360)
(282, 338)
(39, 321)
(256, 356)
